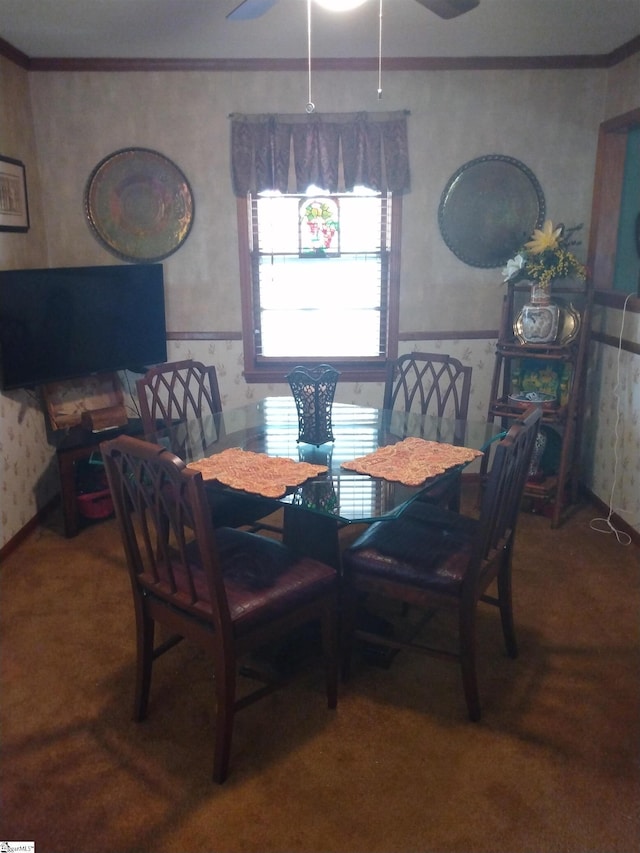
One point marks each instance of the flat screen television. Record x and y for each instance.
(68, 322)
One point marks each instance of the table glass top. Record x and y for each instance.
(271, 426)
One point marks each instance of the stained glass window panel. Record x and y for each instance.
(319, 226)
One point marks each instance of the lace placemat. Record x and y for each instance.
(268, 476)
(412, 461)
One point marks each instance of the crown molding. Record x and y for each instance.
(16, 56)
(399, 63)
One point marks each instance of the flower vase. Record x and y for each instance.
(539, 319)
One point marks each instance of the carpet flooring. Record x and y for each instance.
(551, 768)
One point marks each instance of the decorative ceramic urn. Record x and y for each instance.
(539, 317)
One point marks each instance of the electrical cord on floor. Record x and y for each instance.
(605, 525)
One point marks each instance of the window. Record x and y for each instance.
(319, 277)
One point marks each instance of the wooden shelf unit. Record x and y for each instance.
(566, 361)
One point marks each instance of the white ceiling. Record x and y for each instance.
(198, 29)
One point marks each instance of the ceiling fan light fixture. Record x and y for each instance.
(340, 5)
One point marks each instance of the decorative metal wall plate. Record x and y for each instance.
(489, 208)
(139, 205)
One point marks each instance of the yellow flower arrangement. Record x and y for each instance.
(546, 257)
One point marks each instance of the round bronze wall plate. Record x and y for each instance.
(489, 208)
(139, 205)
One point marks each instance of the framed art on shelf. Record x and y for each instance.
(14, 208)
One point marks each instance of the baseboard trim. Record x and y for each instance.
(469, 478)
(618, 522)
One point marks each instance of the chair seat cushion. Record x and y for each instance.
(262, 578)
(427, 547)
(253, 562)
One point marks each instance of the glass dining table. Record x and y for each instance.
(318, 508)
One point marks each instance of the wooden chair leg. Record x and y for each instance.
(508, 630)
(506, 609)
(330, 649)
(468, 662)
(347, 629)
(225, 682)
(145, 633)
(454, 500)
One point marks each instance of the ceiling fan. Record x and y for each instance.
(250, 9)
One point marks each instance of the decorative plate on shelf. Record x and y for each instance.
(532, 397)
(489, 208)
(139, 205)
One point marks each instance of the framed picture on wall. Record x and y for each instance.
(14, 208)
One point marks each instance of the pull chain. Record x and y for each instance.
(311, 107)
(380, 53)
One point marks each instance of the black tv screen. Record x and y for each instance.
(68, 322)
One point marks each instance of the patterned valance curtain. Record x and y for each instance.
(333, 151)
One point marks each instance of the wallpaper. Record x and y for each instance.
(29, 473)
(27, 457)
(611, 445)
(61, 124)
(612, 432)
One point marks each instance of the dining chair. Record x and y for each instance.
(434, 384)
(432, 558)
(174, 394)
(171, 393)
(228, 591)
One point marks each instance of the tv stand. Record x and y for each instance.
(80, 444)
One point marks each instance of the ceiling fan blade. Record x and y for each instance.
(249, 9)
(449, 8)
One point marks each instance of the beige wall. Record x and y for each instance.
(547, 119)
(17, 140)
(27, 475)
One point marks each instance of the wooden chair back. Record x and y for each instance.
(428, 383)
(502, 494)
(437, 385)
(175, 392)
(166, 529)
(181, 408)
